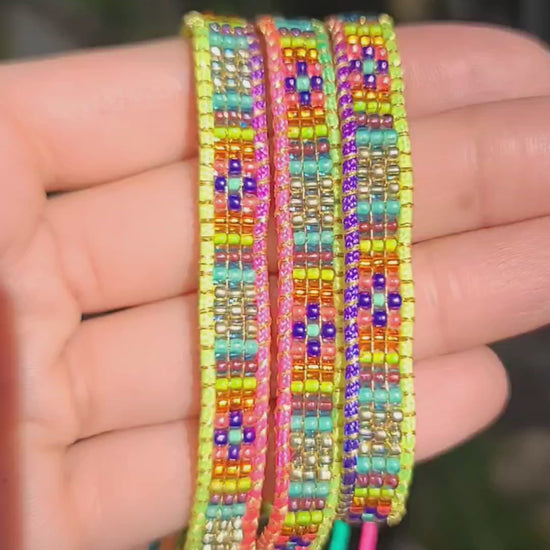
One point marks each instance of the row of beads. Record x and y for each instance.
(307, 158)
(379, 413)
(234, 314)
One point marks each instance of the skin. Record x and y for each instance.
(109, 403)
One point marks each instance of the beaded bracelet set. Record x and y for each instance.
(341, 170)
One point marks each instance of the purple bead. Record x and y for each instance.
(370, 82)
(351, 428)
(328, 330)
(348, 478)
(313, 348)
(368, 52)
(234, 451)
(380, 319)
(394, 300)
(234, 167)
(290, 84)
(313, 311)
(351, 409)
(219, 183)
(249, 435)
(379, 281)
(382, 66)
(299, 330)
(350, 462)
(220, 437)
(293, 504)
(305, 98)
(355, 65)
(316, 83)
(215, 499)
(235, 419)
(350, 445)
(234, 202)
(365, 299)
(228, 499)
(301, 68)
(249, 185)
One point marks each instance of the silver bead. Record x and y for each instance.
(220, 292)
(221, 327)
(327, 183)
(393, 170)
(380, 435)
(378, 449)
(309, 475)
(365, 414)
(397, 415)
(326, 441)
(364, 448)
(393, 188)
(325, 474)
(392, 152)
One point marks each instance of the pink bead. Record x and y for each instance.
(249, 204)
(314, 69)
(249, 418)
(219, 166)
(220, 453)
(354, 51)
(221, 421)
(298, 349)
(246, 452)
(364, 318)
(298, 312)
(328, 313)
(365, 282)
(329, 350)
(355, 79)
(394, 319)
(317, 99)
(393, 282)
(219, 202)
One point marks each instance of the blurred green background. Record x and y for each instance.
(492, 493)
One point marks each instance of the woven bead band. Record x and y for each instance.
(307, 195)
(378, 448)
(233, 299)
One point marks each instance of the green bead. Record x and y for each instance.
(380, 396)
(360, 106)
(325, 165)
(307, 132)
(296, 423)
(310, 167)
(300, 238)
(220, 348)
(310, 424)
(368, 66)
(396, 395)
(313, 238)
(365, 395)
(308, 489)
(363, 464)
(363, 209)
(325, 424)
(235, 436)
(377, 207)
(234, 184)
(295, 167)
(362, 137)
(250, 348)
(249, 276)
(234, 275)
(378, 464)
(393, 465)
(313, 330)
(341, 533)
(393, 207)
(295, 489)
(236, 347)
(219, 101)
(303, 518)
(302, 83)
(379, 299)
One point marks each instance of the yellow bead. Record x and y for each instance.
(327, 274)
(299, 273)
(313, 272)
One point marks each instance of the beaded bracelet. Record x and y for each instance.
(307, 168)
(233, 298)
(379, 424)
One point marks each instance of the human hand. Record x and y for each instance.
(110, 403)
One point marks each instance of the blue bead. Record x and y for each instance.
(249, 435)
(378, 281)
(316, 83)
(234, 202)
(301, 67)
(328, 330)
(313, 311)
(379, 319)
(295, 489)
(382, 66)
(220, 437)
(355, 65)
(220, 183)
(305, 98)
(313, 348)
(368, 52)
(378, 464)
(377, 208)
(219, 101)
(394, 300)
(290, 84)
(299, 330)
(234, 167)
(238, 509)
(295, 167)
(235, 419)
(310, 167)
(249, 185)
(300, 238)
(365, 300)
(250, 348)
(370, 81)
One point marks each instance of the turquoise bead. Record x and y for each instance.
(212, 511)
(325, 424)
(390, 137)
(322, 489)
(241, 42)
(327, 237)
(239, 509)
(227, 511)
(232, 99)
(295, 489)
(363, 209)
(378, 464)
(246, 102)
(365, 395)
(393, 465)
(310, 424)
(228, 41)
(295, 167)
(363, 464)
(300, 238)
(310, 167)
(313, 238)
(250, 348)
(367, 518)
(296, 423)
(234, 275)
(368, 66)
(249, 276)
(302, 83)
(325, 165)
(308, 489)
(380, 396)
(393, 207)
(363, 136)
(219, 274)
(377, 208)
(235, 436)
(376, 137)
(313, 330)
(219, 101)
(215, 39)
(379, 299)
(236, 347)
(234, 184)
(220, 348)
(396, 395)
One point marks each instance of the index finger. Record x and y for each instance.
(98, 116)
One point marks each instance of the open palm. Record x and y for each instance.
(99, 256)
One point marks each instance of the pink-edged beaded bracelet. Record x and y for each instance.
(307, 196)
(379, 427)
